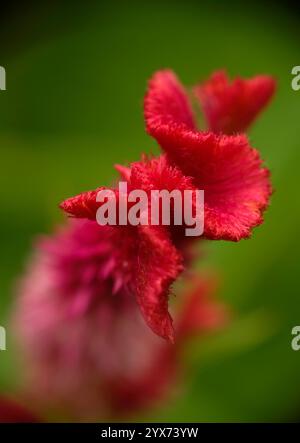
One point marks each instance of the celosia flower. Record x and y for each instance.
(232, 107)
(11, 411)
(236, 186)
(230, 172)
(87, 349)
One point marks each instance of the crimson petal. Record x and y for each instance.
(236, 186)
(158, 265)
(231, 107)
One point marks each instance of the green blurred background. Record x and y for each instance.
(76, 75)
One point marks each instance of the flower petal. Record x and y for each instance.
(124, 172)
(230, 107)
(147, 256)
(236, 186)
(158, 265)
(166, 103)
(83, 205)
(158, 173)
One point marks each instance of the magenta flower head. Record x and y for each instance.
(87, 350)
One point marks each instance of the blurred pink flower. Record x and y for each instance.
(87, 352)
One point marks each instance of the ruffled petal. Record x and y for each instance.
(158, 265)
(83, 205)
(166, 103)
(230, 107)
(124, 172)
(236, 186)
(148, 174)
(158, 173)
(147, 256)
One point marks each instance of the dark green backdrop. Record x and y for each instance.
(76, 75)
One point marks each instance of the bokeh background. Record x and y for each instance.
(76, 75)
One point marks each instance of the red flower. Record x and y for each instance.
(236, 186)
(232, 107)
(148, 174)
(153, 262)
(230, 172)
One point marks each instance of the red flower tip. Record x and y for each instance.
(236, 186)
(159, 264)
(230, 107)
(166, 103)
(124, 172)
(83, 205)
